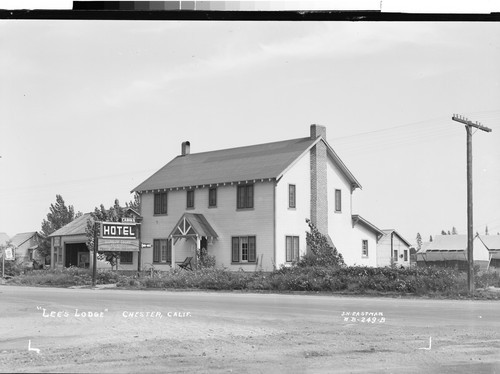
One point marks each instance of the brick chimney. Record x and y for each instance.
(319, 186)
(185, 148)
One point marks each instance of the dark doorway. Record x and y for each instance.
(77, 254)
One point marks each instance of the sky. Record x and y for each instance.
(90, 109)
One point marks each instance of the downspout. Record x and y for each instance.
(274, 222)
(392, 246)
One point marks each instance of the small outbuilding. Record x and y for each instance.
(451, 251)
(393, 249)
(492, 244)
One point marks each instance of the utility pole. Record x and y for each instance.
(470, 228)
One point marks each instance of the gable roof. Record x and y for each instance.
(255, 162)
(356, 218)
(446, 243)
(193, 224)
(389, 231)
(75, 227)
(492, 242)
(21, 238)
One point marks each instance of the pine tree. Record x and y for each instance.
(60, 215)
(430, 238)
(454, 231)
(419, 241)
(486, 230)
(443, 232)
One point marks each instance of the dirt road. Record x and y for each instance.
(82, 330)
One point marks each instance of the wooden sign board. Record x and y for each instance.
(118, 245)
(118, 230)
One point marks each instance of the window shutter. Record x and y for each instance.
(251, 249)
(156, 250)
(236, 250)
(164, 203)
(249, 203)
(169, 250)
(295, 248)
(288, 248)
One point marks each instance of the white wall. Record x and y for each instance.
(353, 256)
(225, 219)
(292, 221)
(340, 223)
(384, 251)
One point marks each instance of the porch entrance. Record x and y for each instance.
(77, 254)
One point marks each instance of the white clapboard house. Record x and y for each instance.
(248, 206)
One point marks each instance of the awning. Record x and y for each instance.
(193, 225)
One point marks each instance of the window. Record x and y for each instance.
(160, 203)
(190, 199)
(212, 197)
(338, 200)
(126, 257)
(245, 196)
(291, 196)
(162, 251)
(395, 255)
(406, 255)
(364, 248)
(292, 248)
(243, 249)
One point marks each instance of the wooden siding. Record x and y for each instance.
(385, 253)
(225, 219)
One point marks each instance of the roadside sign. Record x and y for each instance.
(9, 253)
(118, 245)
(146, 245)
(118, 230)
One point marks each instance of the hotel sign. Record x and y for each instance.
(118, 230)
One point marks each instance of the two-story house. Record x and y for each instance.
(248, 205)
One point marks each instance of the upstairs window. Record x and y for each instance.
(291, 196)
(212, 197)
(190, 199)
(364, 248)
(406, 255)
(160, 203)
(338, 200)
(245, 196)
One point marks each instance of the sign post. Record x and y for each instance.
(96, 247)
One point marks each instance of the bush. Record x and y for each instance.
(71, 276)
(323, 254)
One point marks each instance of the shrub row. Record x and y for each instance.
(358, 280)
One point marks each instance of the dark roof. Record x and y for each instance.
(23, 237)
(356, 218)
(389, 231)
(261, 161)
(75, 227)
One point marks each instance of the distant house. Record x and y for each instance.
(4, 238)
(392, 248)
(492, 244)
(25, 246)
(247, 206)
(451, 251)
